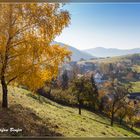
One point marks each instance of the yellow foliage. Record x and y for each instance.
(26, 54)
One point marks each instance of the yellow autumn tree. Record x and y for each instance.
(27, 56)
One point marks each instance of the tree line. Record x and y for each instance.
(115, 103)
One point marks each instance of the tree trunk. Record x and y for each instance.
(79, 108)
(49, 92)
(79, 103)
(132, 125)
(5, 92)
(112, 118)
(121, 121)
(101, 106)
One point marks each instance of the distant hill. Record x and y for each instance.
(76, 54)
(104, 52)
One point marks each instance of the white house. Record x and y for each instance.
(98, 77)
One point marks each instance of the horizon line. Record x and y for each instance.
(95, 47)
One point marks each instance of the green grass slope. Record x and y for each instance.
(136, 86)
(38, 116)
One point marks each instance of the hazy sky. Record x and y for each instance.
(102, 25)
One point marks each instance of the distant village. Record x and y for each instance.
(103, 73)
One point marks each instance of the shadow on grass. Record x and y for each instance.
(102, 115)
(98, 121)
(124, 126)
(128, 128)
(24, 118)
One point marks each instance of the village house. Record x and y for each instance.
(98, 77)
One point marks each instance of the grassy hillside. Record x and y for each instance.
(107, 60)
(136, 68)
(114, 59)
(136, 86)
(37, 115)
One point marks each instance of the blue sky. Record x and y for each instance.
(102, 25)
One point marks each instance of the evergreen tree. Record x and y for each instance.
(94, 99)
(65, 80)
